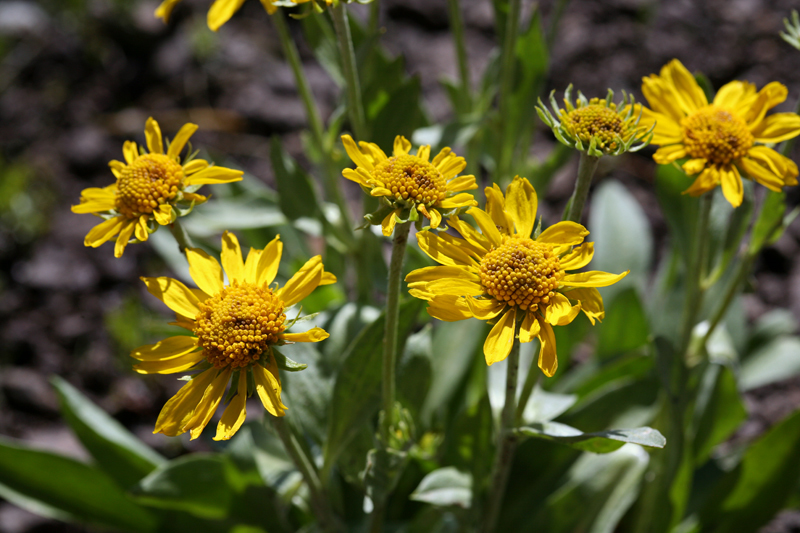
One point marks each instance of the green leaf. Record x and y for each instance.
(414, 375)
(680, 210)
(357, 392)
(399, 115)
(775, 361)
(621, 235)
(719, 411)
(445, 486)
(625, 327)
(599, 442)
(117, 451)
(769, 225)
(544, 406)
(752, 493)
(308, 393)
(284, 363)
(62, 488)
(297, 197)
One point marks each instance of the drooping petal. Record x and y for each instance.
(485, 309)
(354, 175)
(441, 251)
(268, 387)
(436, 218)
(548, 358)
(449, 308)
(564, 232)
(214, 174)
(732, 185)
(501, 338)
(463, 199)
(388, 224)
(355, 153)
(591, 303)
(174, 294)
(593, 278)
(521, 204)
(141, 228)
(152, 134)
(164, 10)
(312, 335)
(777, 128)
(205, 271)
(667, 154)
(694, 166)
(328, 278)
(234, 415)
(302, 283)
(578, 257)
(529, 329)
(462, 183)
(170, 366)
(487, 225)
(768, 97)
(104, 231)
(763, 175)
(232, 258)
(559, 312)
(178, 409)
(125, 234)
(168, 348)
(180, 140)
(706, 181)
(270, 7)
(208, 404)
(163, 214)
(221, 12)
(269, 261)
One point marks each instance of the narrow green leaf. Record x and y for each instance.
(625, 327)
(772, 362)
(599, 442)
(721, 412)
(768, 226)
(62, 488)
(284, 363)
(117, 451)
(443, 487)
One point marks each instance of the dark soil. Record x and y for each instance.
(74, 85)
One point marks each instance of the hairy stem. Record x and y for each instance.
(506, 148)
(355, 106)
(181, 237)
(586, 169)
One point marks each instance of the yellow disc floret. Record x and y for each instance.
(717, 135)
(521, 272)
(151, 180)
(238, 324)
(412, 179)
(597, 120)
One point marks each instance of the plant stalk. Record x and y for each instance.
(308, 469)
(531, 380)
(742, 270)
(587, 165)
(506, 148)
(181, 236)
(457, 26)
(695, 273)
(506, 442)
(355, 106)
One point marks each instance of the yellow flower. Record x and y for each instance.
(722, 139)
(506, 274)
(148, 189)
(221, 11)
(410, 184)
(235, 327)
(597, 126)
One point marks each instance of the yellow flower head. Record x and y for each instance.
(597, 126)
(151, 189)
(410, 184)
(235, 328)
(221, 11)
(510, 274)
(722, 139)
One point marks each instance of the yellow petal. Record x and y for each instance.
(500, 340)
(221, 11)
(94, 206)
(438, 272)
(194, 166)
(251, 264)
(179, 408)
(476, 252)
(449, 308)
(462, 183)
(355, 153)
(170, 366)
(424, 152)
(441, 251)
(471, 235)
(168, 348)
(312, 335)
(763, 175)
(688, 92)
(270, 7)
(443, 154)
(205, 271)
(130, 151)
(660, 94)
(164, 10)
(163, 214)
(208, 404)
(768, 97)
(591, 303)
(388, 224)
(548, 358)
(401, 146)
(104, 231)
(268, 387)
(666, 130)
(578, 257)
(98, 194)
(232, 258)
(327, 278)
(214, 174)
(667, 154)
(564, 232)
(380, 191)
(436, 218)
(125, 235)
(174, 294)
(455, 287)
(451, 166)
(529, 329)
(463, 199)
(732, 94)
(484, 309)
(487, 225)
(593, 278)
(302, 283)
(777, 128)
(141, 228)
(269, 261)
(234, 415)
(694, 166)
(559, 312)
(521, 204)
(356, 176)
(706, 181)
(732, 185)
(152, 134)
(495, 206)
(180, 140)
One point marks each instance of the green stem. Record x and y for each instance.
(506, 148)
(457, 25)
(533, 377)
(355, 106)
(390, 333)
(506, 442)
(308, 470)
(695, 273)
(586, 169)
(332, 181)
(742, 270)
(182, 238)
(374, 16)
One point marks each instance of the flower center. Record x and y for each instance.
(151, 180)
(412, 179)
(717, 135)
(237, 325)
(521, 272)
(595, 120)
